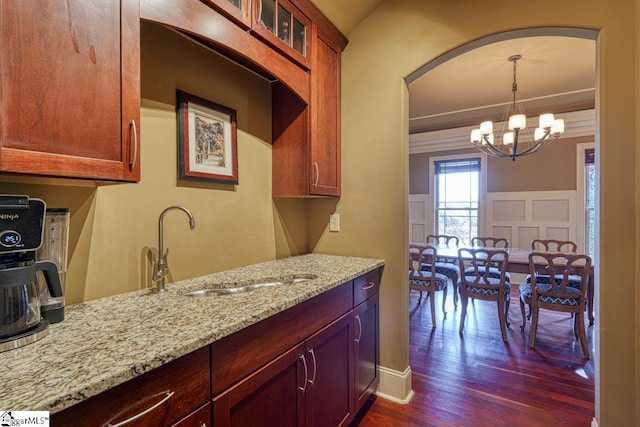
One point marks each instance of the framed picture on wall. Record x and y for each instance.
(208, 148)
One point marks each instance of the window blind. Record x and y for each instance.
(457, 166)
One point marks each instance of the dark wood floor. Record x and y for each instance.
(478, 380)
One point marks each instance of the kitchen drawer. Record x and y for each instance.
(366, 286)
(158, 398)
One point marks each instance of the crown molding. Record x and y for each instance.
(576, 124)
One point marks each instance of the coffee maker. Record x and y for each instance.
(21, 231)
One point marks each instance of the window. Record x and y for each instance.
(457, 190)
(590, 201)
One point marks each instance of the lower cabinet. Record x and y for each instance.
(309, 385)
(312, 365)
(272, 396)
(367, 349)
(329, 393)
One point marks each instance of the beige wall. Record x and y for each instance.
(401, 36)
(551, 169)
(113, 227)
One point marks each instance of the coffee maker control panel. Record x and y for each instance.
(21, 220)
(10, 239)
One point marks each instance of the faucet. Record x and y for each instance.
(161, 268)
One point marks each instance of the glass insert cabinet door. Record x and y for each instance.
(285, 26)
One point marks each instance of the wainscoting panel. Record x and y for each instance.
(524, 216)
(418, 217)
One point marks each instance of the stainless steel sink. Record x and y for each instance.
(243, 289)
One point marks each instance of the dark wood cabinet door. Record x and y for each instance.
(325, 117)
(330, 394)
(70, 88)
(273, 396)
(367, 358)
(198, 418)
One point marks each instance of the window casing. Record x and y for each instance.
(457, 190)
(590, 201)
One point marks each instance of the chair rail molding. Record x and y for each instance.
(577, 123)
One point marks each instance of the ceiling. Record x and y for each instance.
(556, 74)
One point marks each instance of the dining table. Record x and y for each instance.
(518, 262)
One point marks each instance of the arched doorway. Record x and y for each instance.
(458, 118)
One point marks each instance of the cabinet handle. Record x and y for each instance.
(139, 415)
(135, 145)
(359, 329)
(369, 286)
(306, 374)
(315, 165)
(314, 365)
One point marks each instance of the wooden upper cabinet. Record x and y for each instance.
(237, 10)
(70, 88)
(325, 117)
(306, 138)
(283, 26)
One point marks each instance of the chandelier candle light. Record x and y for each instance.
(512, 146)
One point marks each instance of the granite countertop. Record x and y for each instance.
(105, 342)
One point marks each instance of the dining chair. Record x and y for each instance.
(551, 245)
(477, 282)
(426, 280)
(492, 242)
(560, 295)
(448, 267)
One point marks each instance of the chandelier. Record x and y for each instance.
(512, 145)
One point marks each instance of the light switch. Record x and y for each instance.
(334, 222)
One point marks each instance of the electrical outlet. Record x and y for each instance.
(334, 222)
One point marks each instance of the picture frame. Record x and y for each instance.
(207, 140)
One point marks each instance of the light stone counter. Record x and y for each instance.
(105, 342)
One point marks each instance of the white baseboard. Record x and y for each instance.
(395, 385)
(594, 423)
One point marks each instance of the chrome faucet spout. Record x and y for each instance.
(161, 267)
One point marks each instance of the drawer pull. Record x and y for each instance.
(306, 374)
(135, 145)
(315, 165)
(314, 366)
(139, 415)
(359, 329)
(369, 286)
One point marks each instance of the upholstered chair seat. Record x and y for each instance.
(471, 290)
(525, 292)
